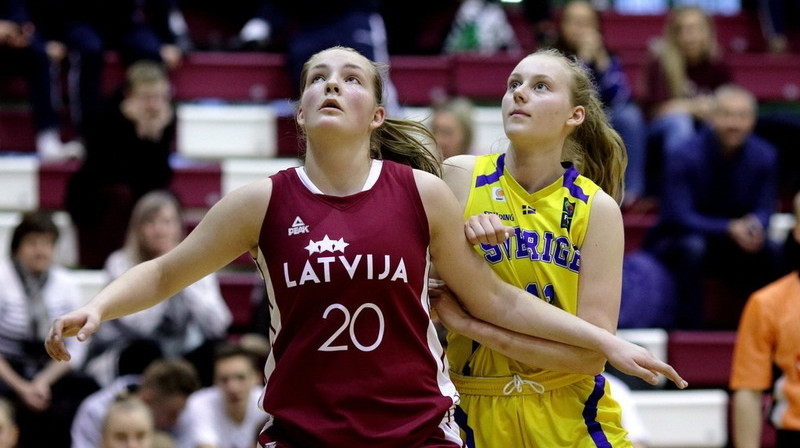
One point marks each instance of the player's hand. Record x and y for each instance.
(82, 323)
(635, 360)
(172, 56)
(34, 397)
(486, 229)
(449, 311)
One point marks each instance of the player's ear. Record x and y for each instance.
(300, 118)
(577, 117)
(378, 118)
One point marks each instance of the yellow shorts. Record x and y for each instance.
(512, 412)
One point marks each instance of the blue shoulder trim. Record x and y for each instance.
(486, 179)
(569, 183)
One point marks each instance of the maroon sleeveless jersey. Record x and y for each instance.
(355, 360)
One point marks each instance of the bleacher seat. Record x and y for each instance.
(17, 133)
(702, 357)
(684, 418)
(53, 179)
(637, 225)
(217, 131)
(90, 281)
(770, 77)
(19, 183)
(420, 79)
(238, 172)
(634, 33)
(482, 77)
(262, 77)
(237, 290)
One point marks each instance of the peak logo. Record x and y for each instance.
(298, 227)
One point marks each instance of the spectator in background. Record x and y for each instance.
(719, 192)
(164, 387)
(227, 415)
(151, 30)
(309, 27)
(482, 27)
(128, 423)
(580, 36)
(9, 431)
(768, 337)
(774, 17)
(24, 49)
(452, 125)
(127, 155)
(539, 14)
(418, 34)
(683, 69)
(187, 324)
(34, 291)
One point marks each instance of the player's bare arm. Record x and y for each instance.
(230, 228)
(487, 297)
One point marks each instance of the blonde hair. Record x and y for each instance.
(125, 402)
(144, 72)
(399, 140)
(144, 211)
(669, 53)
(594, 147)
(461, 109)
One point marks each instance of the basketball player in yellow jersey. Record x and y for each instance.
(547, 227)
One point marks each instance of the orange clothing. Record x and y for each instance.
(768, 333)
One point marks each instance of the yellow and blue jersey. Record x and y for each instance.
(505, 402)
(542, 256)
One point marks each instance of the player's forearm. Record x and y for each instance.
(510, 307)
(9, 376)
(535, 351)
(137, 289)
(53, 372)
(747, 418)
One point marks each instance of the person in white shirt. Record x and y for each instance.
(195, 316)
(227, 415)
(164, 387)
(34, 291)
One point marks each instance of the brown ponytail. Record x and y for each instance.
(594, 147)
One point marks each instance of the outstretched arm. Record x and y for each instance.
(531, 350)
(487, 297)
(230, 228)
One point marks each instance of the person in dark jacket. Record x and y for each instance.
(719, 193)
(127, 155)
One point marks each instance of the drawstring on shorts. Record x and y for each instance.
(517, 384)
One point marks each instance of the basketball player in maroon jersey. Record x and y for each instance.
(345, 244)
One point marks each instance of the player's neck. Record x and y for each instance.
(534, 170)
(338, 174)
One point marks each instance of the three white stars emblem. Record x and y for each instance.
(326, 244)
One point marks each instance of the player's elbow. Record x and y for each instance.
(594, 364)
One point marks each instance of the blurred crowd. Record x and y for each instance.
(704, 162)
